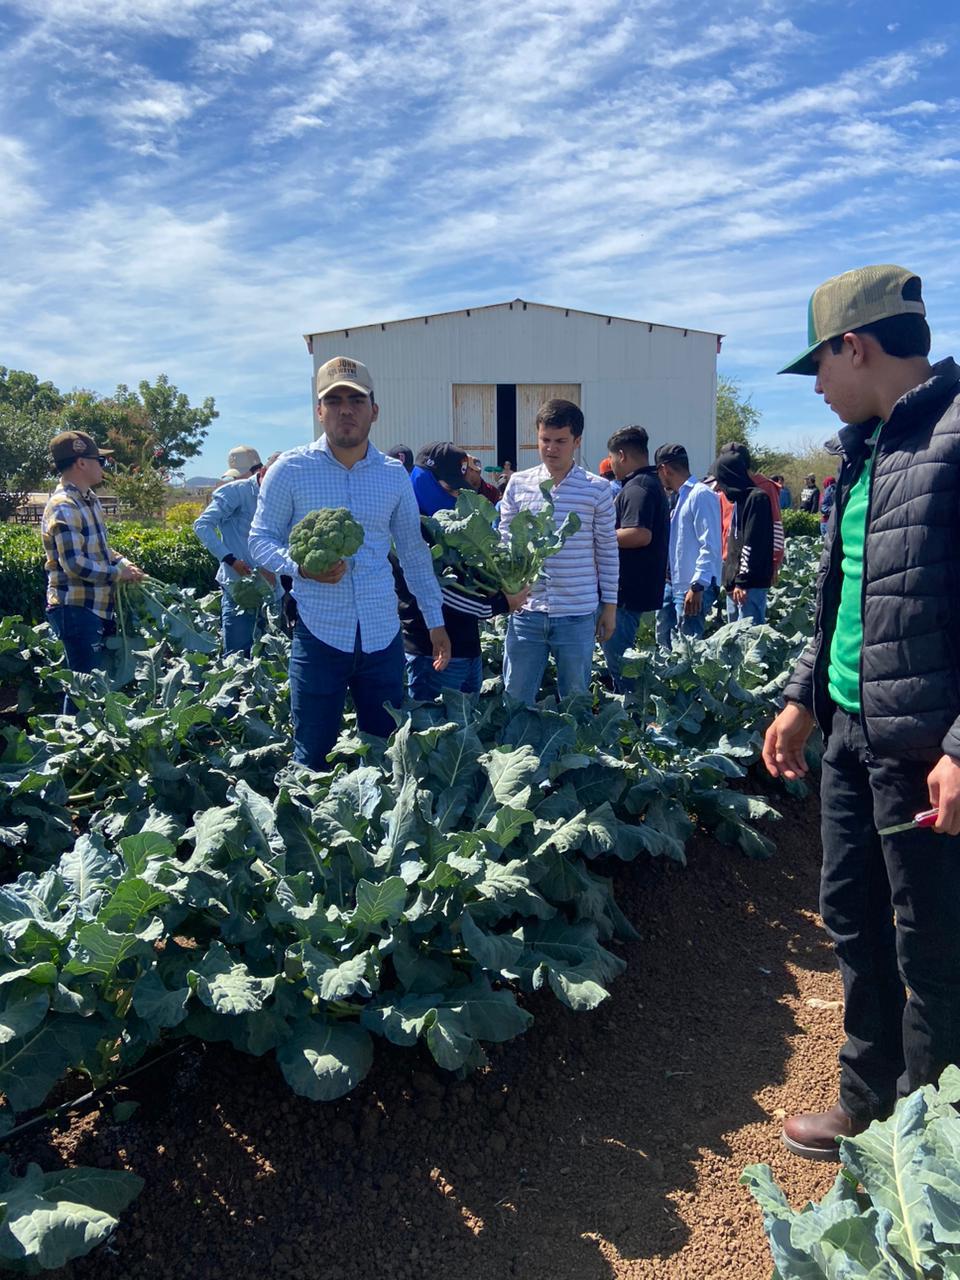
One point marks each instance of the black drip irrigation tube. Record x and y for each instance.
(86, 1100)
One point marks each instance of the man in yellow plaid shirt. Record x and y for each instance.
(82, 571)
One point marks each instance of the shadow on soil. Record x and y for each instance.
(557, 1162)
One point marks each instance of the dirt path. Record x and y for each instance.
(598, 1146)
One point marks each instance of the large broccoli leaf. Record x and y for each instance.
(469, 544)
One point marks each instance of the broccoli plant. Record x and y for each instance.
(892, 1212)
(323, 537)
(251, 592)
(467, 543)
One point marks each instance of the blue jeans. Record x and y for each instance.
(666, 620)
(692, 627)
(623, 638)
(533, 637)
(753, 609)
(81, 632)
(465, 674)
(319, 678)
(236, 625)
(891, 905)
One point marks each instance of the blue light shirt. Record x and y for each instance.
(224, 527)
(695, 539)
(378, 494)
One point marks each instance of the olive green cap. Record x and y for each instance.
(855, 299)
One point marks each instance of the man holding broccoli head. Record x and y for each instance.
(347, 634)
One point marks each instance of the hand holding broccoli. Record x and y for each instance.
(330, 576)
(516, 600)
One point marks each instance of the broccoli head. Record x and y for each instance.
(323, 537)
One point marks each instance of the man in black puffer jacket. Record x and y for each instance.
(881, 678)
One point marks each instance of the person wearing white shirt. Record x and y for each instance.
(561, 617)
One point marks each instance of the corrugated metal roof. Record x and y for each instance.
(467, 311)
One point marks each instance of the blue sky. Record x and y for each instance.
(187, 186)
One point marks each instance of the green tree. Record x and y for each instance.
(24, 459)
(772, 462)
(141, 488)
(98, 416)
(737, 417)
(162, 418)
(27, 423)
(25, 391)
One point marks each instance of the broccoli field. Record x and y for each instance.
(172, 880)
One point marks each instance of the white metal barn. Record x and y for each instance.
(478, 377)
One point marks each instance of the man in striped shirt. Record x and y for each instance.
(348, 631)
(82, 571)
(560, 619)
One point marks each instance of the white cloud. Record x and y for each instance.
(216, 178)
(917, 108)
(18, 199)
(864, 135)
(157, 106)
(237, 53)
(162, 15)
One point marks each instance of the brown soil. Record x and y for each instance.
(597, 1146)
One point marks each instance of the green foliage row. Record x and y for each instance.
(800, 524)
(413, 894)
(892, 1213)
(172, 555)
(409, 896)
(22, 580)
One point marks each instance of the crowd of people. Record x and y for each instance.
(881, 677)
(653, 543)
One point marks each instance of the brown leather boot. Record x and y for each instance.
(814, 1136)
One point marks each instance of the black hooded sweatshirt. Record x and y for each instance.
(749, 560)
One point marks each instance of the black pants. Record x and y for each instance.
(892, 908)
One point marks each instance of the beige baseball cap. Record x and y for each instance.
(242, 459)
(341, 371)
(855, 299)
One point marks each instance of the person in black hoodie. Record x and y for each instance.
(438, 475)
(748, 566)
(810, 495)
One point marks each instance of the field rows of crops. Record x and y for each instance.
(169, 873)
